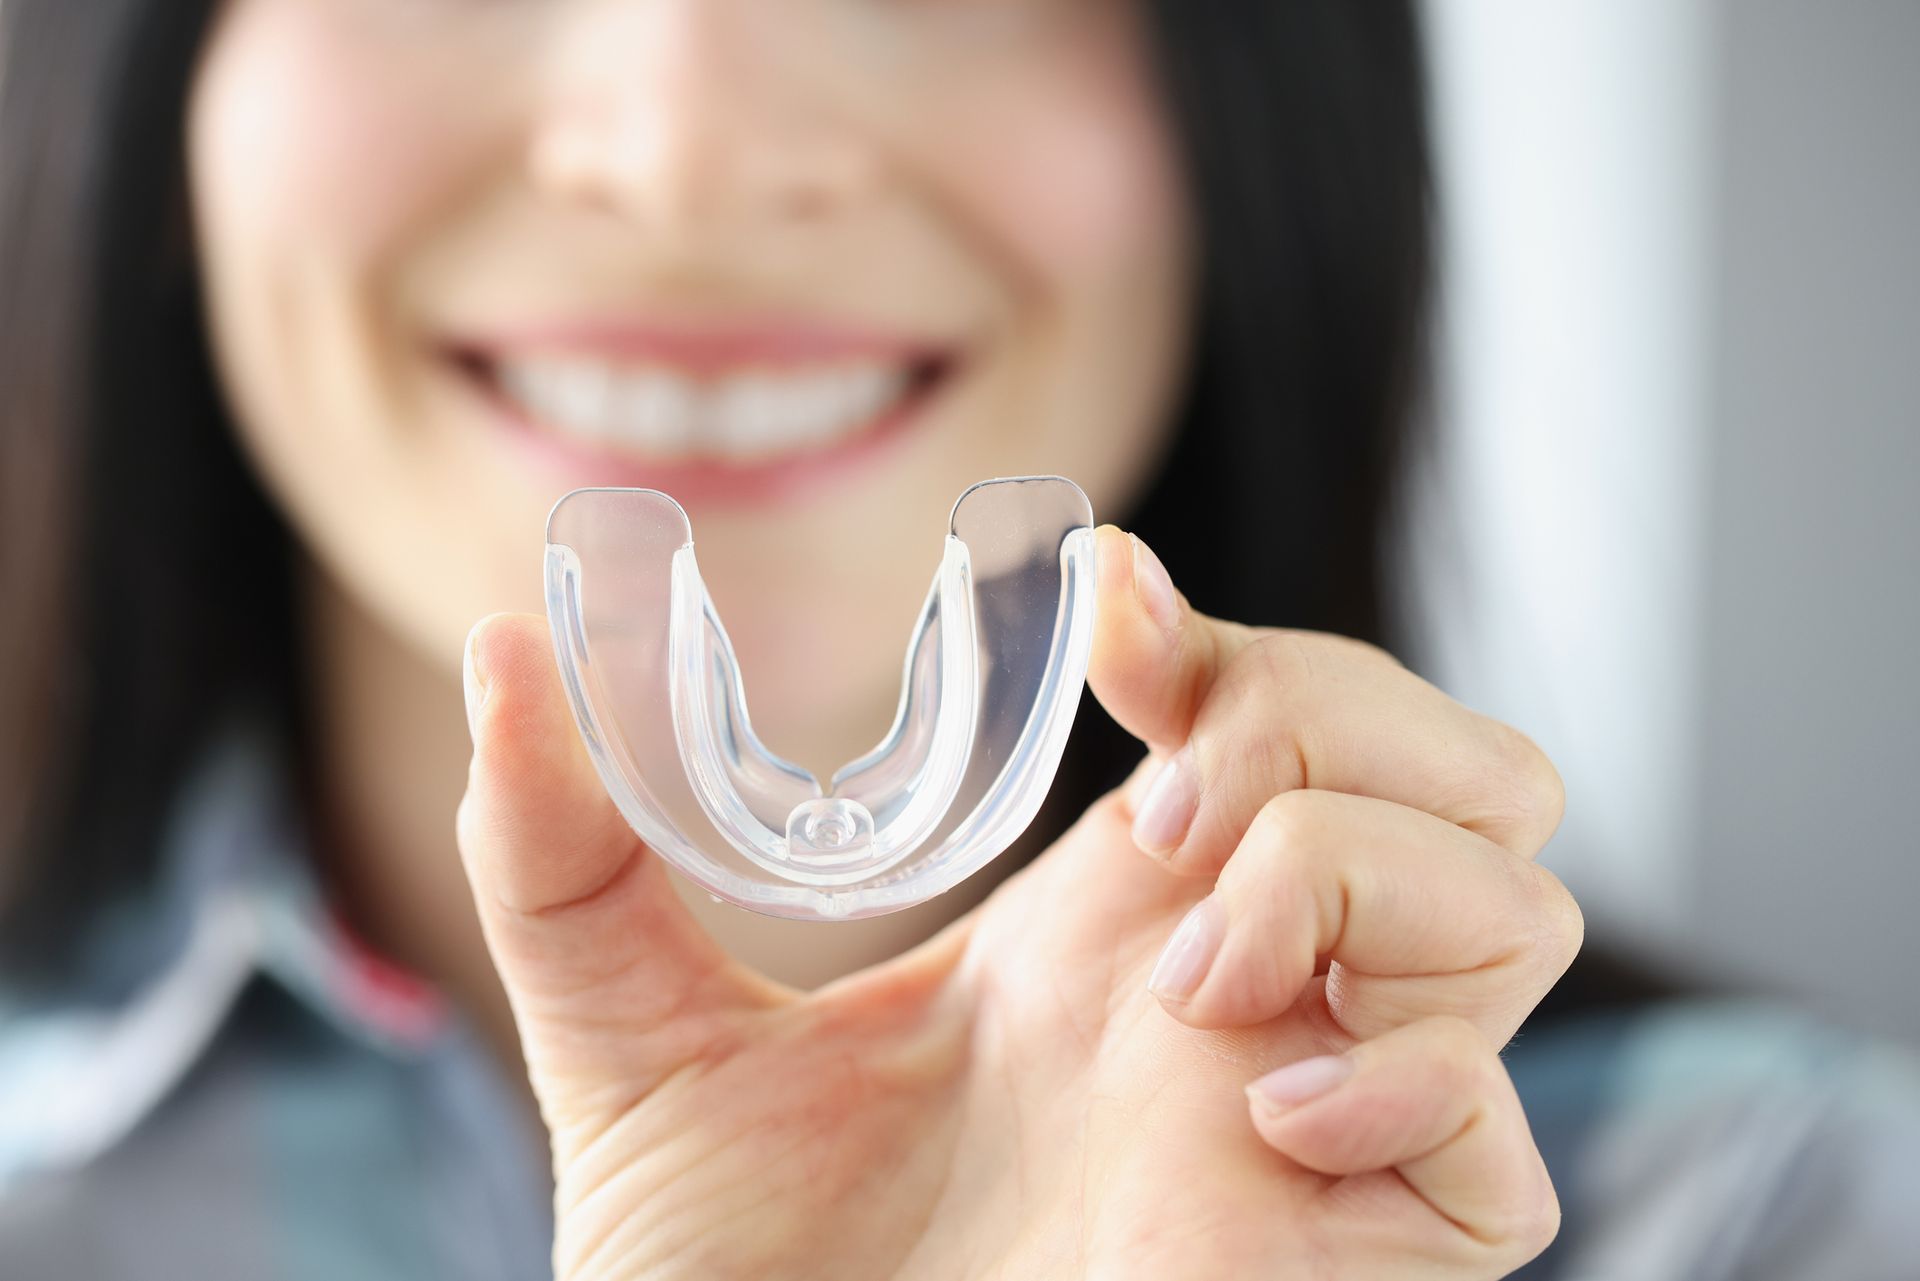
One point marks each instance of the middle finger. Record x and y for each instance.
(1410, 915)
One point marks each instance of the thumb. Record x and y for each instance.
(1155, 657)
(612, 983)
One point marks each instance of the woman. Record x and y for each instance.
(315, 307)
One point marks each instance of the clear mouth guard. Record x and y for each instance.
(994, 670)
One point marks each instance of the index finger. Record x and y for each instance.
(1242, 714)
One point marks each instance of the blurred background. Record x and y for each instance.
(1672, 530)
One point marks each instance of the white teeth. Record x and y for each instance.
(749, 415)
(659, 409)
(583, 397)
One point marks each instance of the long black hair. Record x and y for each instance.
(145, 580)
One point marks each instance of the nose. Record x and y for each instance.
(696, 116)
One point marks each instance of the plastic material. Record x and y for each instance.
(994, 671)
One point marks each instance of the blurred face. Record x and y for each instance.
(810, 266)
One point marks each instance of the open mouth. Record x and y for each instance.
(701, 415)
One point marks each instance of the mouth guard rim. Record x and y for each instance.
(699, 647)
(907, 868)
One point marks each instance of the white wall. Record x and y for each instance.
(1809, 702)
(1560, 561)
(1674, 528)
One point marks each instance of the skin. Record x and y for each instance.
(1003, 1097)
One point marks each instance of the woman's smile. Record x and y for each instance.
(744, 411)
(671, 253)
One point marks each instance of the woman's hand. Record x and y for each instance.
(1338, 908)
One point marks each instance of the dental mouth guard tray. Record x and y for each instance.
(994, 670)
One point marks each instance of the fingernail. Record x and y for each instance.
(1166, 812)
(1184, 961)
(474, 687)
(1154, 586)
(1300, 1082)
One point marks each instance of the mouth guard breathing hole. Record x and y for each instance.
(994, 670)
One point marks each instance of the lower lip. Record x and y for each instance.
(776, 479)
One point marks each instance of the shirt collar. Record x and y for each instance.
(162, 975)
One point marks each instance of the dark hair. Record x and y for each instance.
(145, 579)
